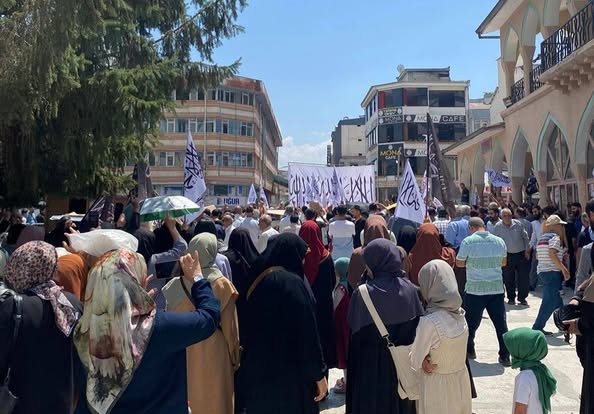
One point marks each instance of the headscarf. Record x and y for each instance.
(241, 243)
(375, 228)
(72, 275)
(32, 268)
(440, 289)
(311, 234)
(14, 232)
(147, 243)
(427, 248)
(58, 236)
(527, 348)
(206, 246)
(341, 267)
(395, 298)
(205, 225)
(287, 250)
(407, 237)
(116, 326)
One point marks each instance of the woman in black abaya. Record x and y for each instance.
(283, 367)
(372, 381)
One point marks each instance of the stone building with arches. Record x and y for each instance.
(545, 124)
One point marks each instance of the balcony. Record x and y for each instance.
(568, 55)
(567, 58)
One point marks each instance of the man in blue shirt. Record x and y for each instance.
(458, 228)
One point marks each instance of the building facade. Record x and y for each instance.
(236, 133)
(546, 96)
(479, 112)
(396, 122)
(348, 143)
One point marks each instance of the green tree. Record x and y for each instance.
(84, 83)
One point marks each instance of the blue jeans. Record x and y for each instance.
(551, 299)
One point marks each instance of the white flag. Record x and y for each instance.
(263, 195)
(315, 189)
(194, 184)
(338, 195)
(424, 186)
(411, 205)
(252, 197)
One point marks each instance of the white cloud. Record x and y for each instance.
(305, 153)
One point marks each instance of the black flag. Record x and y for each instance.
(442, 185)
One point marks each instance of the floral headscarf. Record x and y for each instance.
(115, 327)
(31, 268)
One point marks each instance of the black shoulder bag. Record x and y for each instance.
(8, 400)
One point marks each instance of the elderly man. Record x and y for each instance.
(266, 232)
(229, 226)
(483, 255)
(516, 272)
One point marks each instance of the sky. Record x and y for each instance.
(318, 58)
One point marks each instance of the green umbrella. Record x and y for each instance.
(157, 208)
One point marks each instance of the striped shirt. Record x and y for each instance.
(442, 225)
(547, 242)
(483, 253)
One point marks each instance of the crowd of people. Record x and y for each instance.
(237, 313)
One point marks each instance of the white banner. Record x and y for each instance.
(411, 205)
(263, 195)
(194, 185)
(252, 198)
(316, 183)
(497, 179)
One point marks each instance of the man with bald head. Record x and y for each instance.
(266, 232)
(517, 271)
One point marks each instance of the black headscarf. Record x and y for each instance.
(57, 236)
(287, 250)
(205, 225)
(407, 237)
(147, 243)
(241, 243)
(395, 298)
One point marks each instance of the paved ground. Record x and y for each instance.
(494, 383)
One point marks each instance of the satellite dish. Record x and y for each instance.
(400, 68)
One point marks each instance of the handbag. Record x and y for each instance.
(566, 313)
(408, 379)
(8, 400)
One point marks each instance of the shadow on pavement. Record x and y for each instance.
(481, 369)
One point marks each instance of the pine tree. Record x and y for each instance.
(83, 85)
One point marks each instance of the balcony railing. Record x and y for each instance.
(574, 34)
(517, 91)
(535, 82)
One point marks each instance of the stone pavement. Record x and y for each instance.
(495, 384)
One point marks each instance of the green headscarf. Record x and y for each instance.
(341, 266)
(527, 348)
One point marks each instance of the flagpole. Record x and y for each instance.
(427, 170)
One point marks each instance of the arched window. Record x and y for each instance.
(558, 168)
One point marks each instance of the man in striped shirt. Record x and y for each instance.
(442, 221)
(483, 255)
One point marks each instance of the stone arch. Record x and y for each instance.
(510, 45)
(498, 157)
(543, 140)
(551, 12)
(583, 136)
(520, 149)
(530, 25)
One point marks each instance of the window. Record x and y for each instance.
(171, 125)
(239, 190)
(210, 158)
(450, 132)
(193, 125)
(220, 190)
(151, 159)
(246, 129)
(167, 159)
(415, 97)
(250, 160)
(182, 125)
(212, 94)
(392, 98)
(225, 129)
(197, 95)
(228, 96)
(224, 159)
(418, 164)
(446, 99)
(390, 133)
(247, 98)
(414, 131)
(235, 159)
(210, 126)
(163, 125)
(180, 157)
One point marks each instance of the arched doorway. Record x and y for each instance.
(584, 148)
(555, 161)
